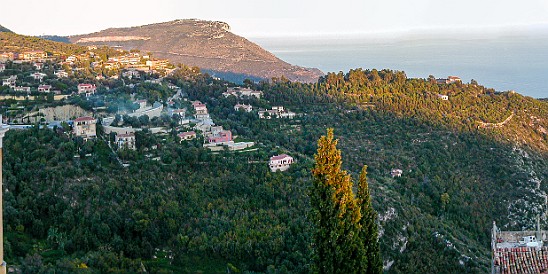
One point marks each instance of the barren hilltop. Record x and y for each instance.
(206, 44)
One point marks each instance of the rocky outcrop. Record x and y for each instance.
(206, 44)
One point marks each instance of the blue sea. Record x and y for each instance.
(517, 63)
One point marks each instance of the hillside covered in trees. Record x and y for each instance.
(71, 206)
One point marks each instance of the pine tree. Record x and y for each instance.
(371, 263)
(335, 212)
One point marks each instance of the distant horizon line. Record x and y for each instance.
(494, 30)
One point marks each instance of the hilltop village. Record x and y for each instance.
(113, 98)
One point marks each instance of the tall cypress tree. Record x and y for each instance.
(345, 236)
(371, 263)
(335, 212)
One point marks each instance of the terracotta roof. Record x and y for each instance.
(189, 133)
(86, 85)
(279, 157)
(125, 135)
(85, 118)
(522, 260)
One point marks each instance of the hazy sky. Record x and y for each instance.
(253, 18)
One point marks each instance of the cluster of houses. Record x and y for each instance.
(133, 61)
(132, 64)
(215, 137)
(11, 81)
(25, 56)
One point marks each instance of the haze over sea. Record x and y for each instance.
(516, 62)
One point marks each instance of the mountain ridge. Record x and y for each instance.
(207, 44)
(4, 29)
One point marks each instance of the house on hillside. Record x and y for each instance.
(44, 88)
(280, 162)
(201, 111)
(21, 89)
(185, 136)
(125, 141)
(276, 112)
(61, 74)
(220, 137)
(38, 76)
(85, 127)
(396, 172)
(38, 65)
(448, 80)
(141, 103)
(131, 74)
(7, 56)
(32, 55)
(240, 92)
(246, 108)
(10, 82)
(87, 89)
(71, 59)
(443, 97)
(2, 67)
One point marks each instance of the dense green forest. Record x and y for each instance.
(70, 206)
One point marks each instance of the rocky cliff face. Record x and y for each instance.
(207, 44)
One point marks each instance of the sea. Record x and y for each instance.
(518, 63)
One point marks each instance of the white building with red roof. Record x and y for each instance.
(185, 136)
(220, 137)
(85, 127)
(61, 74)
(38, 76)
(280, 162)
(38, 65)
(87, 89)
(44, 88)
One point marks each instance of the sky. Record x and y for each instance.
(264, 18)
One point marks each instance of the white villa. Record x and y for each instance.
(280, 162)
(246, 108)
(396, 172)
(87, 89)
(276, 112)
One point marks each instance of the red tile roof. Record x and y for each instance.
(125, 135)
(189, 133)
(522, 260)
(278, 157)
(86, 85)
(85, 118)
